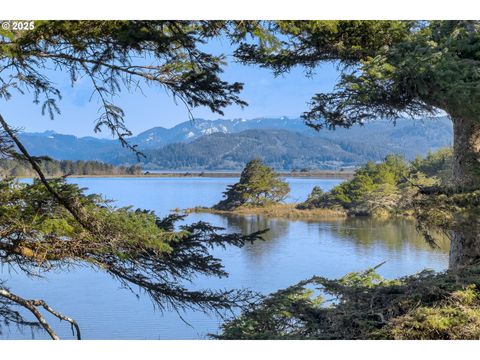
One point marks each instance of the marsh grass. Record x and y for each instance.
(286, 211)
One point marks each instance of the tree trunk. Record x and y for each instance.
(466, 153)
(465, 246)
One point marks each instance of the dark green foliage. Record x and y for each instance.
(51, 224)
(388, 68)
(373, 186)
(447, 211)
(258, 186)
(134, 246)
(65, 167)
(390, 187)
(364, 305)
(316, 199)
(438, 164)
(114, 56)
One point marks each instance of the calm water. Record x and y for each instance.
(292, 251)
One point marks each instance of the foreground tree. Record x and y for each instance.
(259, 185)
(133, 246)
(50, 224)
(365, 306)
(389, 69)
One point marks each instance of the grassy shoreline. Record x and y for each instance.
(286, 211)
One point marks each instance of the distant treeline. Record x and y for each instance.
(10, 167)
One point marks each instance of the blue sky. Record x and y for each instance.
(266, 95)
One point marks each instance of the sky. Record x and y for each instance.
(267, 96)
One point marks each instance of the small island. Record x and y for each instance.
(261, 191)
(387, 189)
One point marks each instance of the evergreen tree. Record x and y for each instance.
(388, 69)
(374, 187)
(259, 185)
(50, 223)
(9, 167)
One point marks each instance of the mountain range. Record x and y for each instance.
(228, 144)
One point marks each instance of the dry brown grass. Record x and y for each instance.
(288, 211)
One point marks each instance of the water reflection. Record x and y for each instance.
(394, 234)
(293, 250)
(250, 223)
(278, 230)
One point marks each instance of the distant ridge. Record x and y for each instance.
(283, 142)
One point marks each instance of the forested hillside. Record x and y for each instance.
(282, 143)
(280, 149)
(287, 150)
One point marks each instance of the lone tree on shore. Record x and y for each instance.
(389, 69)
(259, 185)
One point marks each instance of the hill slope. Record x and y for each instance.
(229, 144)
(284, 150)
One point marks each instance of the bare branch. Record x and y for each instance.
(32, 305)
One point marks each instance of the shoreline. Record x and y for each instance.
(326, 174)
(283, 211)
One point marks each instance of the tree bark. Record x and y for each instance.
(465, 245)
(466, 153)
